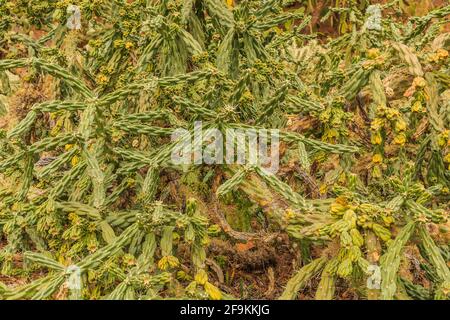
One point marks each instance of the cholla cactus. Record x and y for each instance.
(88, 185)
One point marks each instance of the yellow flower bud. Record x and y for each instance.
(102, 79)
(168, 262)
(129, 45)
(400, 125)
(377, 158)
(442, 53)
(74, 161)
(290, 214)
(376, 124)
(376, 138)
(373, 53)
(416, 107)
(447, 158)
(213, 292)
(419, 82)
(400, 139)
(392, 113)
(337, 208)
(201, 277)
